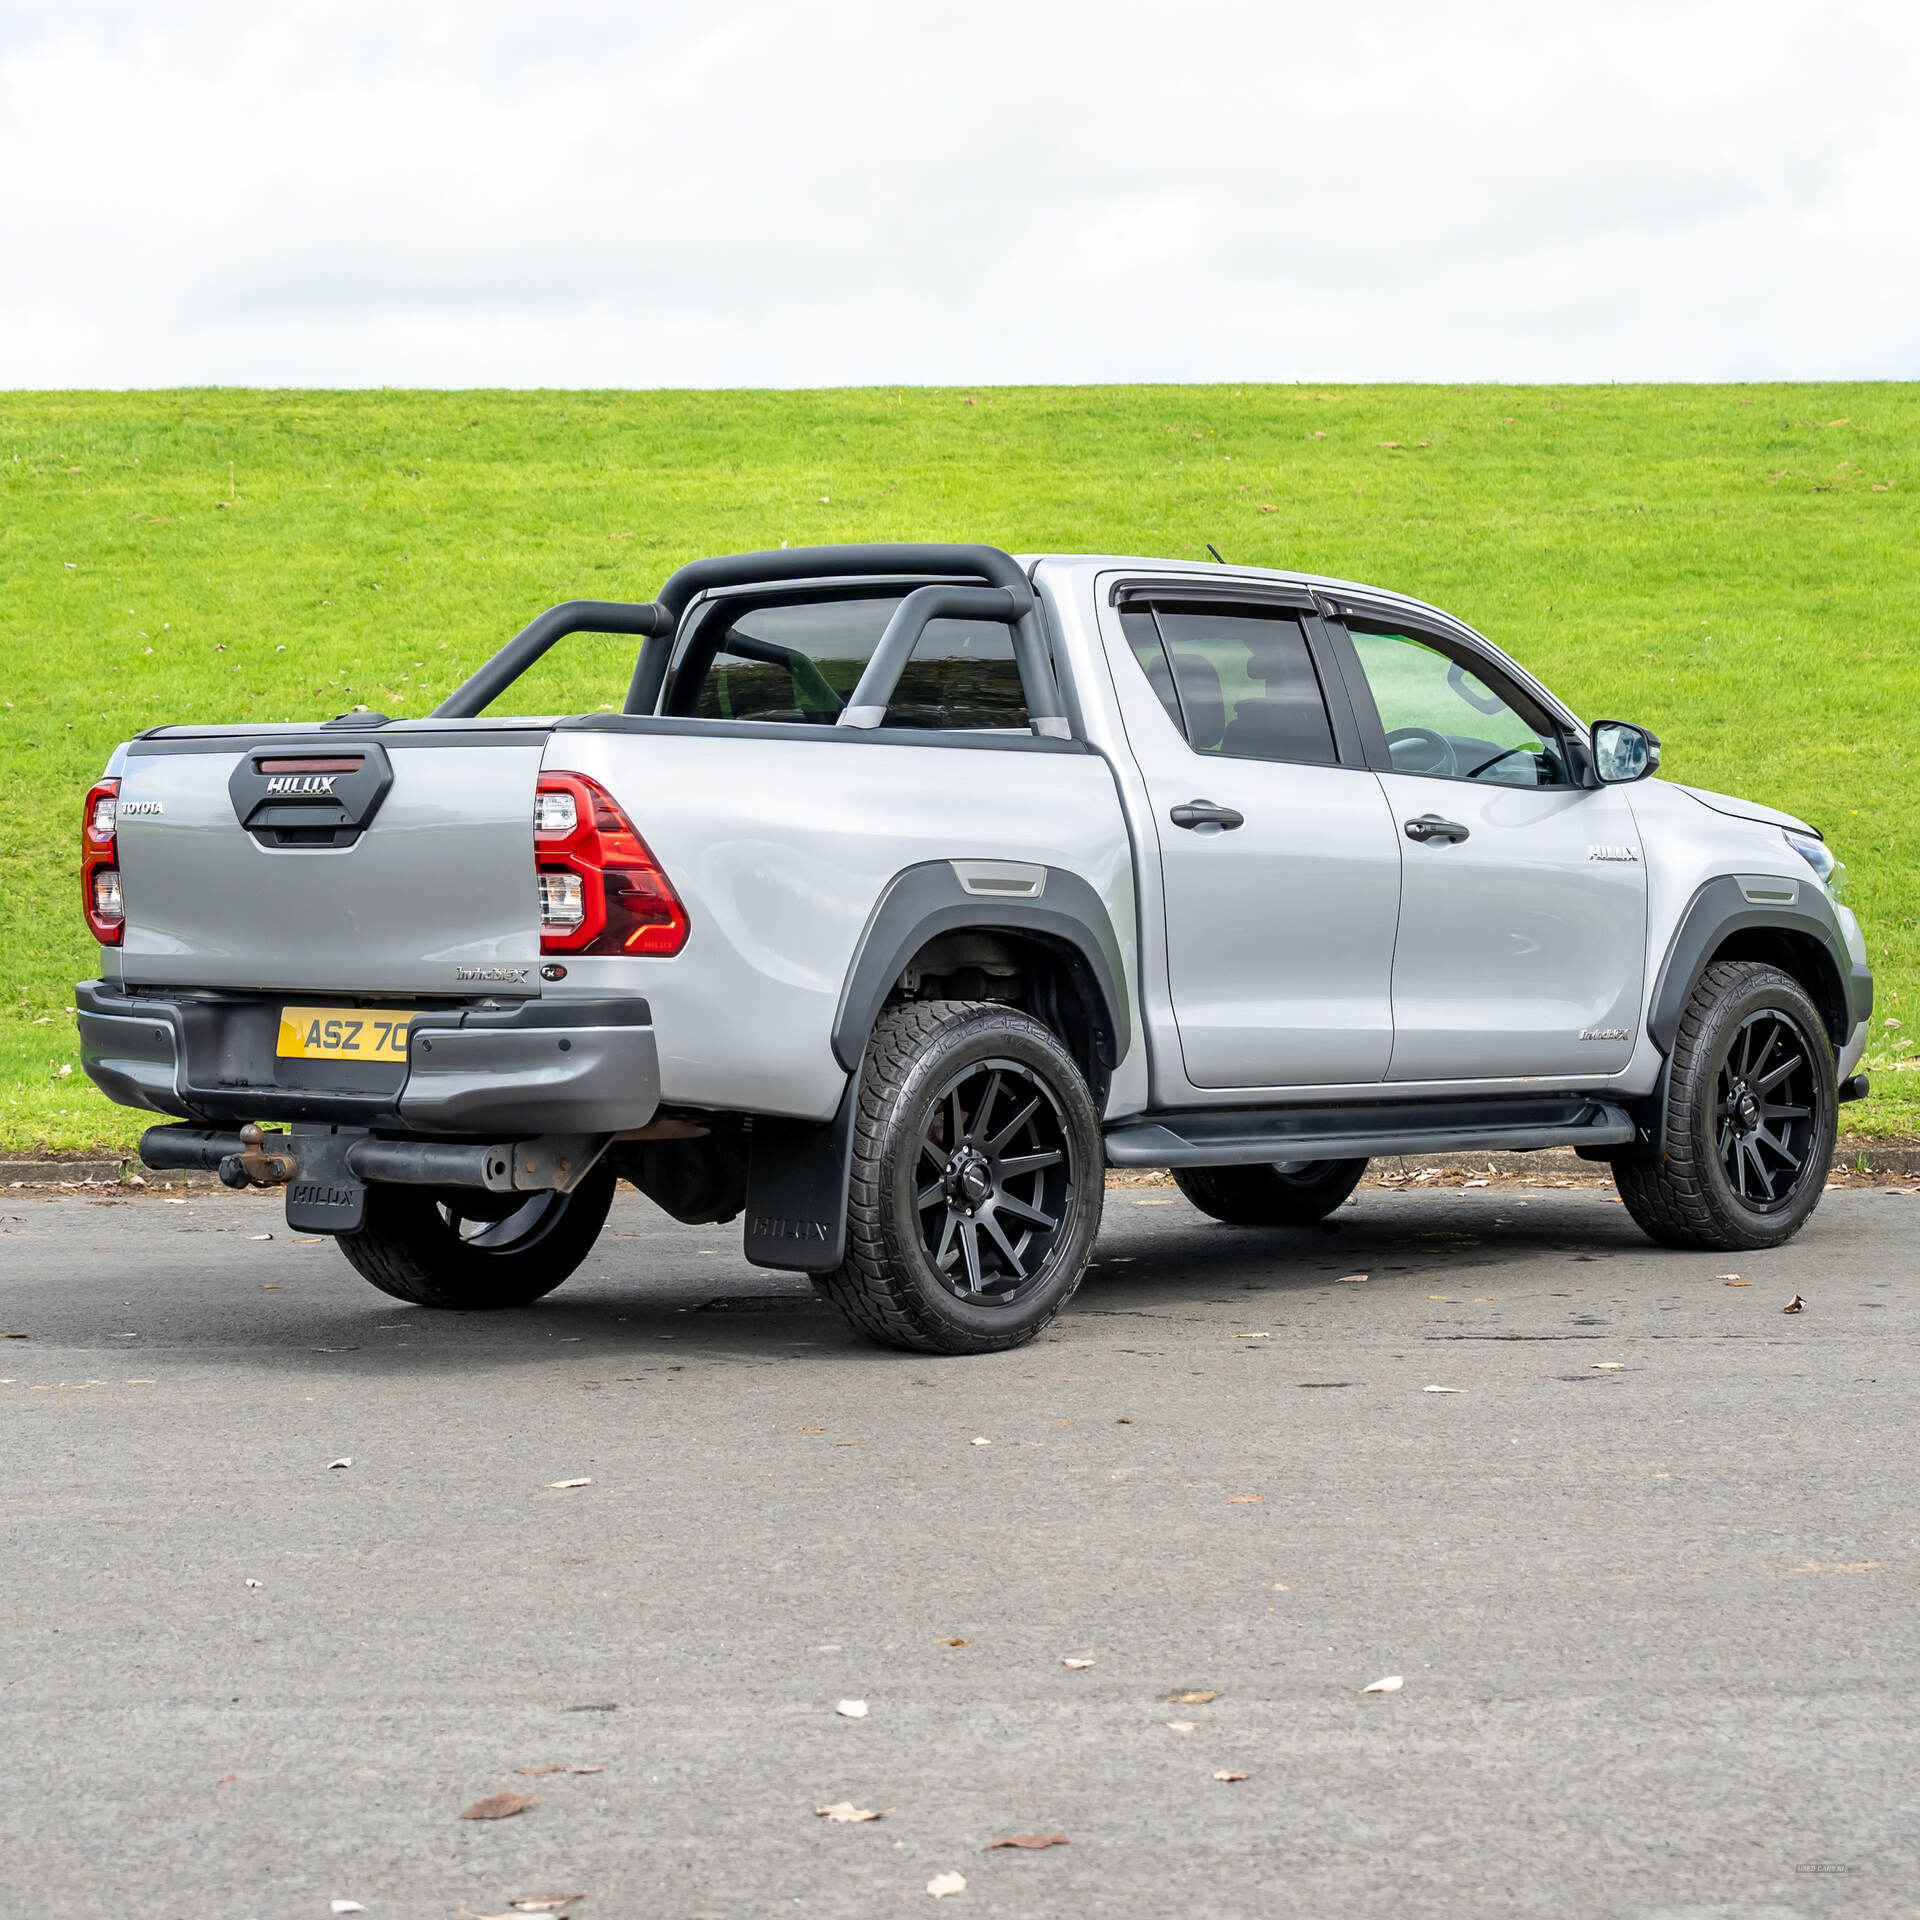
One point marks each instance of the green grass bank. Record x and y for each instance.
(1734, 566)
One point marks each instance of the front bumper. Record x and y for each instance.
(543, 1066)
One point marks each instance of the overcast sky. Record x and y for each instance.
(718, 194)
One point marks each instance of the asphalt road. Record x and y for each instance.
(1648, 1574)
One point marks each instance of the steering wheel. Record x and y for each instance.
(1443, 759)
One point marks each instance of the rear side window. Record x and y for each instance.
(1237, 681)
(795, 663)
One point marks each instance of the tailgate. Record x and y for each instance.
(396, 862)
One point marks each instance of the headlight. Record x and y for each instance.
(1819, 856)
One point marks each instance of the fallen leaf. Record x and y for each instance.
(1253, 1336)
(253, 1583)
(1267, 509)
(1350, 1280)
(355, 1909)
(845, 1813)
(1391, 1684)
(1181, 1726)
(1227, 1773)
(1033, 1842)
(956, 1643)
(810, 1429)
(1795, 1305)
(560, 1486)
(1245, 1499)
(226, 1780)
(1192, 1697)
(1076, 1665)
(943, 1884)
(585, 1770)
(269, 1286)
(345, 1906)
(336, 1349)
(1384, 443)
(555, 1768)
(1445, 1389)
(851, 1709)
(342, 1462)
(1608, 1366)
(499, 1806)
(1736, 1283)
(1476, 1183)
(982, 1443)
(1728, 1277)
(545, 1902)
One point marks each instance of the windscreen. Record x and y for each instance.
(796, 662)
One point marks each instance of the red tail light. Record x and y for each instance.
(100, 865)
(601, 891)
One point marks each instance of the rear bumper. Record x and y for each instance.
(543, 1066)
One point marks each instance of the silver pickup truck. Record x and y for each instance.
(911, 887)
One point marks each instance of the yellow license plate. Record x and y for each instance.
(339, 1033)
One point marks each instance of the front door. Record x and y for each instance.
(1280, 864)
(1523, 909)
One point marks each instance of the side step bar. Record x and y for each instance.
(1210, 1137)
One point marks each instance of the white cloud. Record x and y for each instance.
(608, 194)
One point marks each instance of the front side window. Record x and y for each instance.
(1237, 681)
(795, 663)
(1442, 719)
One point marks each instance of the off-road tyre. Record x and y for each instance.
(924, 1083)
(1270, 1196)
(413, 1245)
(1685, 1195)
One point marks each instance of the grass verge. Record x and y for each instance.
(1731, 565)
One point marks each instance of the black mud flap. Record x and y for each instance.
(324, 1197)
(798, 1172)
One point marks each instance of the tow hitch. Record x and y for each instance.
(327, 1171)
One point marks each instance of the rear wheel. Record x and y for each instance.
(1751, 1115)
(1287, 1193)
(455, 1247)
(978, 1175)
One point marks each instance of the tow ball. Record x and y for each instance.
(260, 1161)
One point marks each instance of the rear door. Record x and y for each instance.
(1523, 911)
(1279, 922)
(396, 862)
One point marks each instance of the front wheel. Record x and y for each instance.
(452, 1247)
(1750, 1121)
(978, 1176)
(1285, 1194)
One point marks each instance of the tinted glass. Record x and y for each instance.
(1239, 683)
(1442, 719)
(795, 663)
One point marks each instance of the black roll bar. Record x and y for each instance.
(479, 690)
(1044, 711)
(659, 620)
(867, 704)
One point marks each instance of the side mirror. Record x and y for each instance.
(1623, 752)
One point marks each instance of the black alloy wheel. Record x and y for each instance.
(1282, 1193)
(1748, 1118)
(977, 1178)
(474, 1251)
(997, 1163)
(1767, 1097)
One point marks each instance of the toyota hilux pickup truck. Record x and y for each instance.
(910, 888)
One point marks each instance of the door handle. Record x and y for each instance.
(1430, 826)
(1203, 813)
